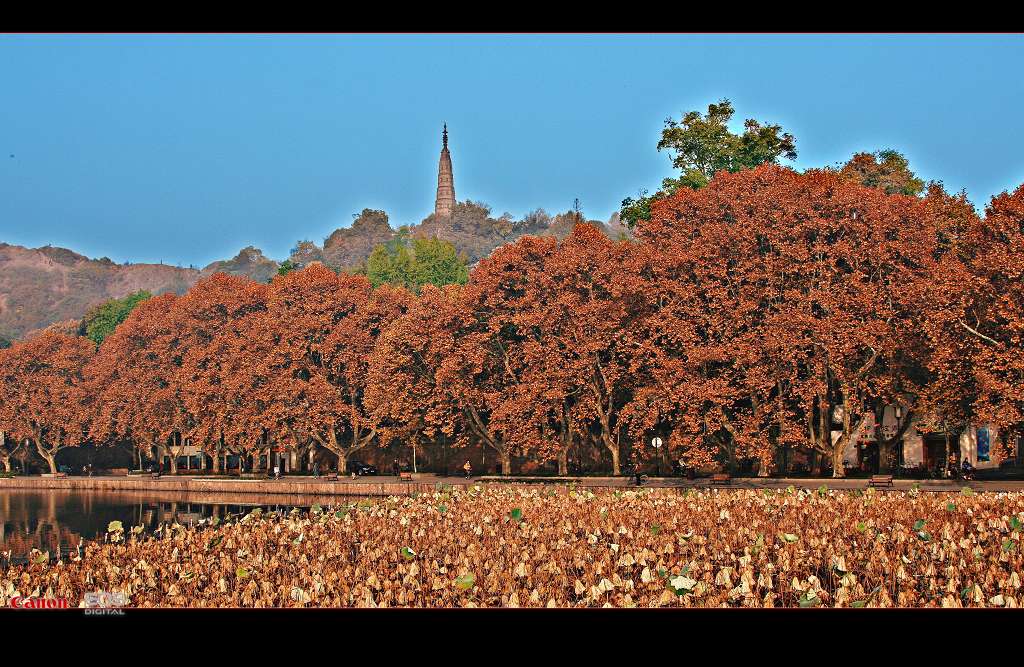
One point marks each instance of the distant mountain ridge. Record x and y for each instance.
(48, 285)
(41, 286)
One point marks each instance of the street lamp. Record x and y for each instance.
(657, 442)
(897, 412)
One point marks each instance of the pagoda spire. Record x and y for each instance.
(444, 205)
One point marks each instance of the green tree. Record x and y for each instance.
(886, 169)
(287, 266)
(635, 210)
(436, 262)
(702, 145)
(415, 262)
(101, 321)
(390, 266)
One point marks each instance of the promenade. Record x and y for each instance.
(384, 485)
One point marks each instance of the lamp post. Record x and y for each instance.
(897, 412)
(656, 442)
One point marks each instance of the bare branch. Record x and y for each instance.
(978, 334)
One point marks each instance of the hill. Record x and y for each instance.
(43, 286)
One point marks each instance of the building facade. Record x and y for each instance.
(921, 448)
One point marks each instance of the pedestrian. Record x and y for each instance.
(396, 468)
(467, 469)
(277, 472)
(316, 469)
(636, 472)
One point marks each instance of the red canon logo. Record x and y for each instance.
(39, 603)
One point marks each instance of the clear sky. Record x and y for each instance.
(186, 148)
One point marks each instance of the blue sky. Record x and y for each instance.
(186, 148)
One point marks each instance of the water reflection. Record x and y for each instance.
(59, 520)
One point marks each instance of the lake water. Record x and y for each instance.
(57, 520)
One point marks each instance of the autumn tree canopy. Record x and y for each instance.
(768, 311)
(810, 280)
(42, 393)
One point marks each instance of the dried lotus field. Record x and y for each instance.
(502, 546)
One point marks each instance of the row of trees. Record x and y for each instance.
(743, 317)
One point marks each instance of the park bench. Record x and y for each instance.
(332, 477)
(880, 480)
(405, 476)
(721, 478)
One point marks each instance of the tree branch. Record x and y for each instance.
(976, 333)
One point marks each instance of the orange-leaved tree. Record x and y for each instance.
(310, 354)
(212, 317)
(41, 381)
(810, 276)
(977, 325)
(134, 378)
(403, 391)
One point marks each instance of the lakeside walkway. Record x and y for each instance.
(384, 485)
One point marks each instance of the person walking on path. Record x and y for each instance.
(396, 468)
(468, 469)
(316, 469)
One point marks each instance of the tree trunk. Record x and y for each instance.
(5, 456)
(173, 462)
(616, 469)
(945, 463)
(49, 458)
(884, 453)
(342, 461)
(610, 444)
(563, 462)
(506, 463)
(838, 470)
